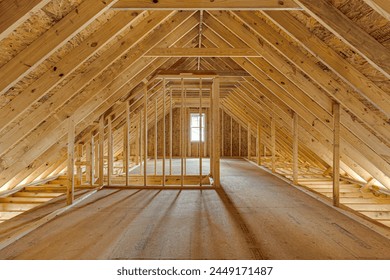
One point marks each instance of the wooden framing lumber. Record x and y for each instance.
(101, 152)
(295, 147)
(349, 32)
(216, 133)
(380, 6)
(331, 59)
(71, 158)
(201, 52)
(27, 60)
(13, 13)
(62, 69)
(336, 155)
(206, 5)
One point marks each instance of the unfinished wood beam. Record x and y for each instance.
(181, 136)
(231, 136)
(200, 133)
(164, 150)
(155, 136)
(295, 147)
(216, 133)
(110, 151)
(145, 133)
(54, 38)
(345, 29)
(91, 156)
(61, 70)
(273, 143)
(13, 13)
(97, 105)
(101, 151)
(223, 75)
(170, 131)
(222, 133)
(71, 157)
(334, 88)
(79, 154)
(249, 141)
(206, 5)
(380, 6)
(336, 154)
(345, 70)
(202, 52)
(126, 139)
(323, 126)
(258, 145)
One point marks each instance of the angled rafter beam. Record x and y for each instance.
(330, 58)
(13, 13)
(380, 6)
(376, 165)
(63, 68)
(89, 109)
(68, 91)
(50, 41)
(340, 25)
(334, 88)
(202, 52)
(207, 5)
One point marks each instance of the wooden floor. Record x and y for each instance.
(254, 216)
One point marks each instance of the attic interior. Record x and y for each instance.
(254, 121)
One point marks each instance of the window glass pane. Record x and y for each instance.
(194, 134)
(196, 122)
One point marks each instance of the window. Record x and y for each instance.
(197, 127)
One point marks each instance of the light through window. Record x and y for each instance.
(197, 127)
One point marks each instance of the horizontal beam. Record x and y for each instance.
(195, 73)
(202, 52)
(207, 5)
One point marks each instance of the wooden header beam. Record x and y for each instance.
(207, 5)
(202, 52)
(192, 73)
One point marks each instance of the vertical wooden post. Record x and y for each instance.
(211, 133)
(222, 133)
(273, 143)
(231, 136)
(140, 143)
(101, 151)
(181, 137)
(249, 141)
(216, 133)
(155, 135)
(126, 140)
(186, 130)
(89, 154)
(137, 144)
(70, 185)
(93, 160)
(164, 134)
(79, 154)
(336, 154)
(110, 151)
(258, 143)
(145, 131)
(239, 140)
(295, 147)
(200, 132)
(96, 158)
(170, 132)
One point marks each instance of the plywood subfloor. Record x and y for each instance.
(254, 216)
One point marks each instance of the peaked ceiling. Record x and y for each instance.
(85, 59)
